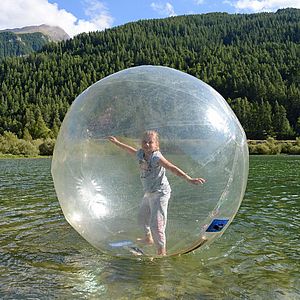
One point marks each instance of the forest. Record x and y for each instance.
(12, 44)
(252, 60)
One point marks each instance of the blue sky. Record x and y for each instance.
(76, 16)
(124, 11)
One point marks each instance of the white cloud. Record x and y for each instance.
(20, 13)
(165, 9)
(264, 5)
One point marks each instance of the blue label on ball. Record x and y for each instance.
(217, 225)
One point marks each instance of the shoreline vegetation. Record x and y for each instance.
(270, 146)
(13, 147)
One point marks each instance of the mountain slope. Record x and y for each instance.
(252, 60)
(12, 44)
(22, 41)
(54, 33)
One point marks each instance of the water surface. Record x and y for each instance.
(42, 257)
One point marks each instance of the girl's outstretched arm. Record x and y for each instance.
(174, 169)
(123, 146)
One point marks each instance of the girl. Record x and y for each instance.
(153, 210)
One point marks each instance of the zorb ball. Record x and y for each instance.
(98, 184)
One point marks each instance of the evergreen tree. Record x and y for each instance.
(56, 125)
(26, 135)
(298, 126)
(40, 128)
(281, 125)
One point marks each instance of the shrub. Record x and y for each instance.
(263, 149)
(274, 147)
(252, 149)
(47, 147)
(10, 144)
(295, 150)
(286, 147)
(26, 148)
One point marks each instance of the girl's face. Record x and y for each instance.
(150, 144)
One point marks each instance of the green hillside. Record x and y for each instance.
(12, 44)
(252, 60)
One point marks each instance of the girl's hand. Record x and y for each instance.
(112, 139)
(123, 146)
(196, 180)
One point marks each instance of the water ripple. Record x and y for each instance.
(42, 257)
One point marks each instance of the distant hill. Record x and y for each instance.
(54, 33)
(22, 41)
(12, 44)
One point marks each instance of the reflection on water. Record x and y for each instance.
(43, 257)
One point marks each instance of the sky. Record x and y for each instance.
(77, 16)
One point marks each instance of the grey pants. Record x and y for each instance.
(153, 216)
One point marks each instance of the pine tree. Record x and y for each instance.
(40, 128)
(56, 125)
(26, 135)
(281, 124)
(298, 126)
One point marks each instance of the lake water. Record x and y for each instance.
(258, 256)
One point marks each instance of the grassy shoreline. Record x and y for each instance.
(19, 156)
(269, 146)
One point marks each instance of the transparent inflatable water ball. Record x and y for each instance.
(98, 184)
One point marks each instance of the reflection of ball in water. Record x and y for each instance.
(98, 184)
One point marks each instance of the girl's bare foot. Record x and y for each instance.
(162, 251)
(147, 240)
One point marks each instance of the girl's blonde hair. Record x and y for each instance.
(154, 133)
